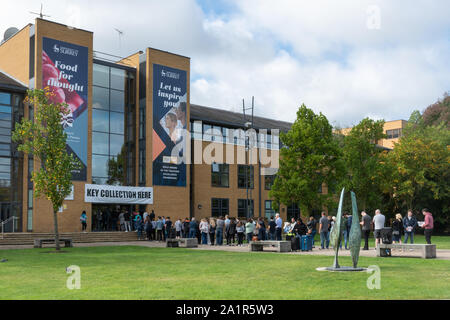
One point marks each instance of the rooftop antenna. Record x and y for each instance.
(120, 33)
(40, 14)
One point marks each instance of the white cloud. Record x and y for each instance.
(282, 52)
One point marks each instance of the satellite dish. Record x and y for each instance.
(9, 33)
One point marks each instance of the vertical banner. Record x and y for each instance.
(169, 126)
(65, 72)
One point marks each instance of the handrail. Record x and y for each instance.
(2, 223)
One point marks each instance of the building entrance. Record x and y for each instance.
(105, 217)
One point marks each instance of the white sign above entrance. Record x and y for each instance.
(117, 194)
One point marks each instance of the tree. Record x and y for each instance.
(310, 157)
(46, 140)
(420, 167)
(362, 159)
(438, 112)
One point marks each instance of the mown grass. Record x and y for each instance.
(132, 272)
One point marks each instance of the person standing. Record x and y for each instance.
(378, 221)
(212, 230)
(127, 221)
(261, 229)
(279, 223)
(168, 226)
(204, 229)
(148, 227)
(312, 228)
(397, 229)
(272, 229)
(122, 221)
(178, 227)
(83, 220)
(138, 225)
(152, 215)
(159, 229)
(348, 226)
(323, 231)
(144, 216)
(240, 233)
(186, 228)
(193, 228)
(219, 231)
(409, 225)
(153, 229)
(428, 225)
(249, 228)
(365, 223)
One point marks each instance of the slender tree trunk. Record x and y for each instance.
(55, 220)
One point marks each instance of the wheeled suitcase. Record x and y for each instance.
(306, 243)
(386, 235)
(295, 244)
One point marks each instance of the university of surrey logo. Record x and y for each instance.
(56, 48)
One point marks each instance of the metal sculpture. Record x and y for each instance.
(354, 237)
(355, 233)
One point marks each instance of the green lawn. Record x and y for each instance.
(134, 272)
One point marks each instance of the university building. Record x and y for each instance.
(142, 144)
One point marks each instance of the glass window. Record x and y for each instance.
(100, 76)
(206, 132)
(219, 207)
(242, 208)
(268, 211)
(5, 109)
(268, 182)
(117, 122)
(220, 175)
(100, 166)
(293, 211)
(118, 79)
(5, 124)
(242, 175)
(116, 144)
(117, 101)
(100, 98)
(5, 116)
(100, 143)
(100, 121)
(5, 98)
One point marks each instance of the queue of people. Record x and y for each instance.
(214, 231)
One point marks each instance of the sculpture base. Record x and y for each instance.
(342, 269)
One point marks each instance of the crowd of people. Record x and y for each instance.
(233, 231)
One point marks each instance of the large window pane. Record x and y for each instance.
(116, 144)
(5, 109)
(100, 143)
(117, 122)
(117, 101)
(5, 98)
(101, 75)
(118, 79)
(100, 121)
(100, 165)
(100, 98)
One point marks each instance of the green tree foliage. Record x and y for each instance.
(46, 140)
(362, 158)
(310, 157)
(419, 168)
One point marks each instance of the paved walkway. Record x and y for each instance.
(441, 254)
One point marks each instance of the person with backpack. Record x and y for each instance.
(138, 225)
(83, 220)
(378, 221)
(312, 227)
(249, 228)
(261, 230)
(193, 228)
(169, 229)
(178, 228)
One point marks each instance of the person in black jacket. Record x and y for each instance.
(409, 226)
(397, 229)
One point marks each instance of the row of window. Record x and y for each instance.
(394, 133)
(220, 176)
(207, 132)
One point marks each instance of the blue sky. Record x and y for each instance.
(348, 59)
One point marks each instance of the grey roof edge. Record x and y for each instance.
(15, 85)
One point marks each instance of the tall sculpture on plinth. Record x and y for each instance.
(354, 237)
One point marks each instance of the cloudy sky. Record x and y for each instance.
(346, 59)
